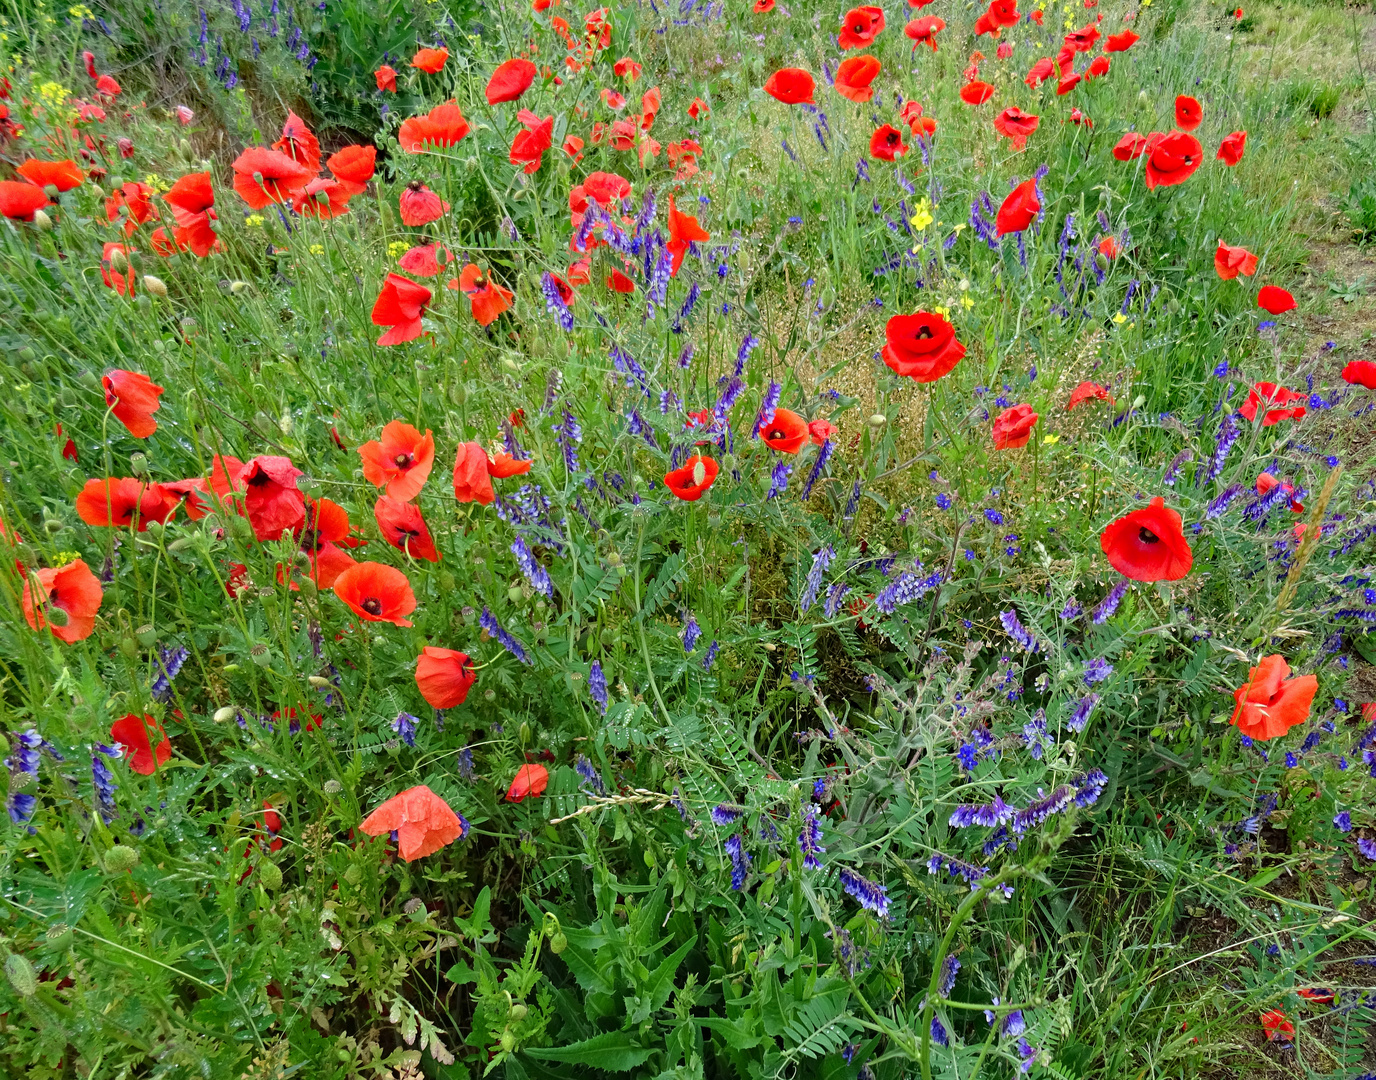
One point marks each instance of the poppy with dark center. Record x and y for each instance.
(1361, 373)
(510, 80)
(119, 502)
(604, 188)
(420, 206)
(353, 167)
(1275, 300)
(886, 144)
(400, 461)
(323, 529)
(386, 77)
(1019, 209)
(923, 31)
(976, 93)
(187, 494)
(1230, 150)
(1004, 12)
(376, 592)
(399, 306)
(1172, 159)
(502, 465)
(1270, 703)
(1121, 42)
(60, 175)
(442, 126)
(922, 346)
(792, 86)
(1148, 544)
(763, 6)
(137, 734)
(134, 201)
(1189, 114)
(860, 27)
(691, 481)
(423, 822)
(683, 231)
(271, 499)
(1016, 125)
(323, 198)
(472, 480)
(403, 527)
(1013, 427)
(1280, 403)
(112, 255)
(299, 143)
(1231, 261)
(987, 24)
(1088, 391)
(133, 399)
(430, 61)
(224, 476)
(853, 77)
(786, 433)
(72, 590)
(444, 676)
(529, 146)
(487, 298)
(530, 780)
(263, 177)
(20, 200)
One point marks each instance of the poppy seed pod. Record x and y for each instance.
(147, 636)
(120, 859)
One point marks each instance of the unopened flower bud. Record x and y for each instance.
(318, 681)
(21, 975)
(236, 287)
(224, 714)
(138, 464)
(120, 859)
(118, 262)
(155, 285)
(270, 876)
(878, 420)
(42, 222)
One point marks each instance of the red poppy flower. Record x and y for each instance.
(504, 465)
(136, 734)
(1016, 125)
(386, 77)
(820, 431)
(924, 31)
(224, 476)
(697, 108)
(192, 194)
(119, 502)
(1275, 300)
(1130, 146)
(786, 433)
(1277, 399)
(400, 305)
(649, 107)
(922, 346)
(529, 780)
(1109, 247)
(376, 592)
(423, 822)
(420, 206)
(193, 230)
(886, 143)
(762, 6)
(613, 99)
(107, 85)
(1231, 148)
(299, 143)
(1067, 83)
(403, 527)
(861, 26)
(1148, 544)
(323, 198)
(792, 86)
(401, 461)
(271, 499)
(1013, 427)
(487, 297)
(580, 272)
(122, 281)
(619, 282)
(1361, 373)
(472, 481)
(62, 175)
(323, 528)
(1083, 40)
(353, 166)
(19, 200)
(854, 75)
(1231, 261)
(69, 450)
(1042, 70)
(976, 93)
(987, 24)
(1320, 995)
(423, 260)
(1097, 67)
(692, 480)
(510, 81)
(683, 230)
(1120, 42)
(1189, 114)
(430, 61)
(1086, 391)
(442, 126)
(71, 589)
(1020, 208)
(444, 676)
(263, 177)
(1270, 703)
(133, 398)
(1173, 159)
(1266, 482)
(529, 146)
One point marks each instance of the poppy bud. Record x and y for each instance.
(308, 589)
(21, 975)
(510, 364)
(459, 394)
(318, 681)
(1101, 260)
(42, 222)
(878, 420)
(52, 526)
(508, 1041)
(613, 558)
(224, 714)
(182, 543)
(236, 287)
(155, 285)
(86, 378)
(768, 646)
(558, 943)
(260, 655)
(138, 465)
(258, 178)
(118, 263)
(270, 876)
(447, 582)
(56, 616)
(699, 472)
(146, 635)
(489, 695)
(1139, 401)
(525, 732)
(514, 594)
(120, 859)
(129, 647)
(518, 1011)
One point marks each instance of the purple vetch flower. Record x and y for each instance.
(1036, 736)
(691, 632)
(1173, 469)
(534, 573)
(1017, 631)
(711, 657)
(554, 302)
(1228, 433)
(768, 406)
(597, 686)
(489, 623)
(1088, 787)
(1013, 1024)
(823, 456)
(569, 434)
(813, 585)
(1105, 610)
(1028, 1053)
(1217, 506)
(405, 726)
(724, 814)
(1039, 810)
(810, 839)
(1342, 821)
(169, 663)
(778, 479)
(1367, 847)
(970, 873)
(853, 503)
(835, 595)
(748, 344)
(1080, 714)
(906, 589)
(949, 969)
(689, 303)
(466, 763)
(585, 768)
(868, 894)
(729, 396)
(1072, 610)
(939, 1035)
(987, 815)
(1097, 670)
(103, 780)
(740, 861)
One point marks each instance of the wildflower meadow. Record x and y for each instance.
(687, 539)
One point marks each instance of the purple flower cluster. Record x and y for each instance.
(813, 585)
(1017, 631)
(740, 861)
(810, 838)
(868, 894)
(405, 726)
(489, 623)
(534, 573)
(597, 686)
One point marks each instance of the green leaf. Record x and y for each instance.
(616, 1051)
